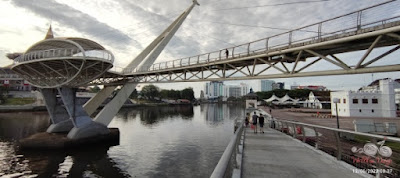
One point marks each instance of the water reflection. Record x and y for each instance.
(162, 141)
(154, 114)
(89, 162)
(14, 126)
(218, 112)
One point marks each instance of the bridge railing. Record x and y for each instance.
(379, 14)
(64, 52)
(375, 154)
(231, 159)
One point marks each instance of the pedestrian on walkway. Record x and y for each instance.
(246, 120)
(261, 121)
(255, 117)
(227, 53)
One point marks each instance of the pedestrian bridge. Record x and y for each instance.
(291, 54)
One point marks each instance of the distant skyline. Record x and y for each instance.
(126, 27)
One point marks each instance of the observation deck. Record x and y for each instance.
(58, 62)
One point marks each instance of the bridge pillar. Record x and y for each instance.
(69, 116)
(59, 117)
(83, 124)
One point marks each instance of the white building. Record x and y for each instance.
(370, 103)
(235, 90)
(214, 89)
(317, 100)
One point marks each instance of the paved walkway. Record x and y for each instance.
(274, 154)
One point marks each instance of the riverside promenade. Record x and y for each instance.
(274, 154)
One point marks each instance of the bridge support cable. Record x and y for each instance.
(147, 57)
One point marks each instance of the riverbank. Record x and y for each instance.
(35, 108)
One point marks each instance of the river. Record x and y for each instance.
(162, 141)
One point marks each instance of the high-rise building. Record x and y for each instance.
(235, 90)
(279, 85)
(214, 89)
(266, 85)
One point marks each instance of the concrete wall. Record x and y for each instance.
(384, 108)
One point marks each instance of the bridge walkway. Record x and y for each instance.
(274, 154)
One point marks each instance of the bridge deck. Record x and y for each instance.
(274, 154)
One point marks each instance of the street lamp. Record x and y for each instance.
(336, 101)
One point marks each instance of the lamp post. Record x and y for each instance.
(336, 101)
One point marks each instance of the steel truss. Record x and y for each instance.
(282, 63)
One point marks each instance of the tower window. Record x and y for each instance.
(365, 101)
(355, 101)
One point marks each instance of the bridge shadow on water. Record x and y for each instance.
(85, 162)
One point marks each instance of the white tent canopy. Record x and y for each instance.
(284, 100)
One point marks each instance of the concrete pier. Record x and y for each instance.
(45, 140)
(274, 154)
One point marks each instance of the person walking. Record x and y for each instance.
(261, 121)
(246, 120)
(255, 117)
(227, 53)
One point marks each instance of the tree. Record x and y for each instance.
(187, 93)
(150, 92)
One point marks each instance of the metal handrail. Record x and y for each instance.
(223, 163)
(388, 138)
(285, 125)
(289, 39)
(64, 52)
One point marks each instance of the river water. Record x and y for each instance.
(162, 141)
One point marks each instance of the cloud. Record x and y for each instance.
(75, 19)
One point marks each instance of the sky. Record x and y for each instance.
(125, 27)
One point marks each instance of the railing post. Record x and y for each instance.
(290, 38)
(220, 54)
(208, 58)
(339, 146)
(233, 52)
(317, 138)
(248, 49)
(359, 13)
(320, 30)
(266, 44)
(294, 131)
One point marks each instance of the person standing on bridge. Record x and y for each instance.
(255, 117)
(261, 121)
(227, 53)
